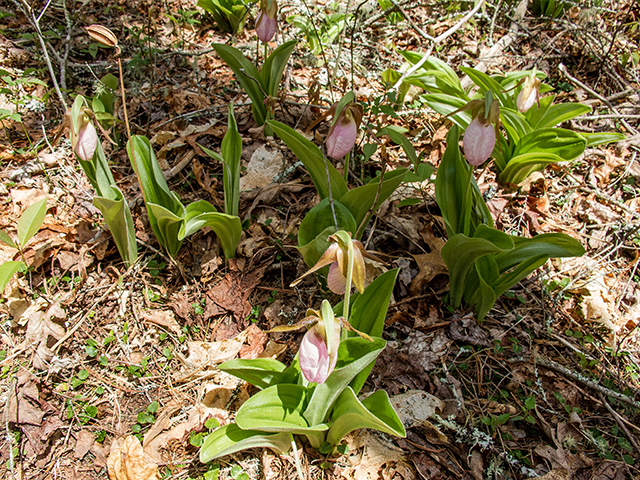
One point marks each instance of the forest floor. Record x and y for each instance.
(91, 352)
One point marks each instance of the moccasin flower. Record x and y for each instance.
(479, 141)
(318, 352)
(266, 22)
(529, 94)
(87, 141)
(344, 130)
(480, 136)
(337, 256)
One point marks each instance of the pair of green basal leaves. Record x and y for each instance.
(229, 15)
(532, 138)
(484, 262)
(288, 405)
(170, 220)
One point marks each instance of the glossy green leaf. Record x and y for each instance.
(312, 251)
(354, 355)
(360, 200)
(167, 227)
(397, 136)
(478, 292)
(374, 412)
(558, 141)
(368, 313)
(228, 228)
(320, 218)
(6, 239)
(446, 104)
(248, 77)
(311, 156)
(231, 150)
(486, 83)
(553, 245)
(261, 372)
(231, 438)
(444, 77)
(521, 166)
(603, 138)
(557, 114)
(7, 270)
(460, 254)
(515, 124)
(457, 193)
(30, 221)
(278, 409)
(273, 68)
(118, 218)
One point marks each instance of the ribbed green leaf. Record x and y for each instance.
(117, 215)
(231, 438)
(231, 150)
(30, 221)
(274, 65)
(374, 412)
(261, 372)
(521, 166)
(313, 160)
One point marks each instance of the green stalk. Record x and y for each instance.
(347, 290)
(346, 167)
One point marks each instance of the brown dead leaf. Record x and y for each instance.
(233, 291)
(176, 438)
(430, 264)
(255, 344)
(43, 330)
(375, 457)
(24, 401)
(127, 461)
(84, 441)
(164, 318)
(263, 167)
(416, 407)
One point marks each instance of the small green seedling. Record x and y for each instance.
(28, 225)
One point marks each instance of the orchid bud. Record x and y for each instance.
(479, 141)
(344, 130)
(266, 23)
(529, 94)
(87, 141)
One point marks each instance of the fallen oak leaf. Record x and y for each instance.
(127, 461)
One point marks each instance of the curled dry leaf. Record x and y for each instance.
(127, 461)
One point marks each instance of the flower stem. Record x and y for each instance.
(347, 290)
(346, 167)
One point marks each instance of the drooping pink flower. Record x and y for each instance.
(315, 362)
(336, 281)
(478, 142)
(266, 23)
(87, 142)
(343, 133)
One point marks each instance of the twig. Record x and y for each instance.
(437, 40)
(586, 381)
(563, 69)
(35, 22)
(9, 438)
(618, 419)
(412, 23)
(610, 116)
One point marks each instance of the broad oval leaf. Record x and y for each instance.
(374, 412)
(521, 166)
(261, 372)
(247, 75)
(6, 239)
(277, 409)
(274, 65)
(228, 228)
(7, 270)
(603, 138)
(30, 221)
(231, 438)
(556, 114)
(564, 143)
(117, 215)
(320, 217)
(446, 104)
(354, 355)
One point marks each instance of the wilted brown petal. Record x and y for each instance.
(102, 35)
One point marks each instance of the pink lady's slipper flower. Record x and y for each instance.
(318, 352)
(87, 141)
(337, 256)
(479, 141)
(529, 94)
(344, 128)
(266, 23)
(480, 136)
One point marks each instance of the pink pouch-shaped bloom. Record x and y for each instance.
(266, 27)
(87, 142)
(315, 363)
(342, 136)
(478, 142)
